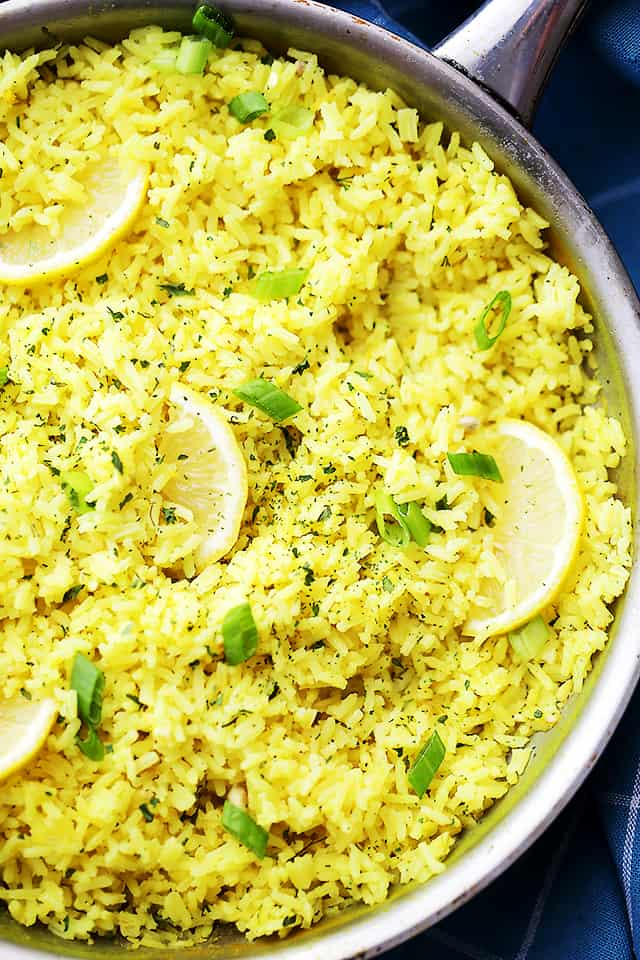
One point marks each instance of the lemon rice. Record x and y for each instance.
(401, 236)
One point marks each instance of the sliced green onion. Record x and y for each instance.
(240, 634)
(475, 465)
(4, 376)
(165, 60)
(279, 284)
(408, 522)
(292, 121)
(397, 532)
(270, 399)
(418, 525)
(92, 746)
(483, 339)
(77, 486)
(213, 24)
(426, 764)
(244, 828)
(248, 106)
(529, 641)
(193, 55)
(88, 682)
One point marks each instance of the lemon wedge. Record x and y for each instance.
(539, 512)
(210, 476)
(113, 200)
(24, 728)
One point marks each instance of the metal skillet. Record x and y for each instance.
(483, 80)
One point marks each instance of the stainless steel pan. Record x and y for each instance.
(480, 80)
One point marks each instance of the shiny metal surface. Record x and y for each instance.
(510, 47)
(566, 754)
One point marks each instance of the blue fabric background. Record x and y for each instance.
(575, 895)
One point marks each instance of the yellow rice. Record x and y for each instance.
(407, 235)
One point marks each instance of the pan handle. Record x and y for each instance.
(510, 47)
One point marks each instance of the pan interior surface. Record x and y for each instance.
(349, 46)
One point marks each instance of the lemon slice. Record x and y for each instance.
(24, 727)
(211, 475)
(539, 513)
(113, 200)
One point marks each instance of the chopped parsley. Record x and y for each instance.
(489, 518)
(169, 515)
(177, 290)
(146, 813)
(72, 592)
(402, 436)
(116, 461)
(291, 440)
(301, 367)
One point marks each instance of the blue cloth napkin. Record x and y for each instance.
(575, 895)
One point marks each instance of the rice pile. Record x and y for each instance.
(407, 235)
